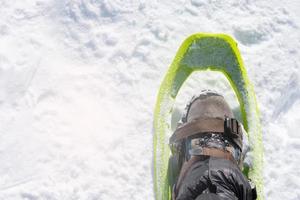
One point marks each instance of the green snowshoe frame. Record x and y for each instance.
(201, 51)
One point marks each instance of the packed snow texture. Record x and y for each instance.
(79, 79)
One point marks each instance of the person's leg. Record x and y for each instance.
(209, 197)
(228, 180)
(193, 180)
(214, 176)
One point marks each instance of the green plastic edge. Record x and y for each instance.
(164, 105)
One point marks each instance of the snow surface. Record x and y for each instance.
(79, 79)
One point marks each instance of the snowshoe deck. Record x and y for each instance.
(216, 52)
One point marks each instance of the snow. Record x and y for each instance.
(79, 79)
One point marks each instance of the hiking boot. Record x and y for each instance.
(208, 128)
(207, 105)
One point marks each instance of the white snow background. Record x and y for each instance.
(79, 79)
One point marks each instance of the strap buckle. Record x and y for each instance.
(231, 128)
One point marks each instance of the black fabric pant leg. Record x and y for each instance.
(195, 181)
(230, 182)
(209, 197)
(217, 176)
